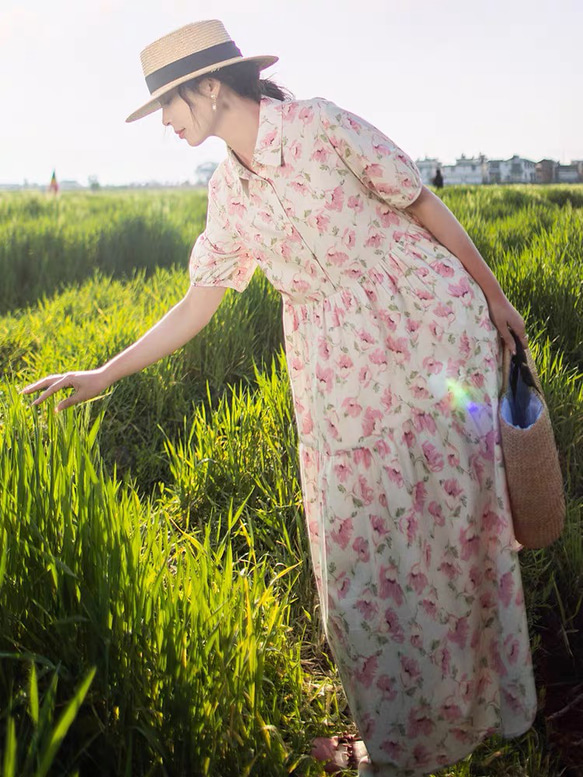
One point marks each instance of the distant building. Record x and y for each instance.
(545, 171)
(467, 170)
(513, 170)
(567, 174)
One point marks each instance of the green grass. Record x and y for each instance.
(157, 608)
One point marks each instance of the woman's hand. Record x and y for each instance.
(505, 317)
(87, 384)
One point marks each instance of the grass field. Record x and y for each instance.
(157, 610)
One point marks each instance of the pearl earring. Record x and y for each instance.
(214, 102)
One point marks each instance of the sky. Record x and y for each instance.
(497, 77)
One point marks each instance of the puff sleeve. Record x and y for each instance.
(218, 257)
(380, 165)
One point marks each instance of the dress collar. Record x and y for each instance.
(268, 149)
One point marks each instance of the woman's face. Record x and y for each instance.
(190, 122)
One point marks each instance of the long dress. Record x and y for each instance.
(395, 370)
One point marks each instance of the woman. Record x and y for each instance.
(393, 329)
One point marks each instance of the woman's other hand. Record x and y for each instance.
(87, 384)
(505, 317)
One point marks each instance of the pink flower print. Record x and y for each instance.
(320, 154)
(487, 443)
(362, 457)
(344, 534)
(367, 606)
(379, 357)
(506, 588)
(497, 663)
(477, 468)
(450, 710)
(368, 726)
(343, 471)
(430, 608)
(307, 423)
(331, 428)
(300, 285)
(382, 447)
(453, 457)
(349, 238)
(375, 240)
(424, 295)
(420, 722)
(410, 671)
(513, 700)
(390, 319)
(351, 407)
(373, 170)
(299, 186)
(336, 199)
(492, 522)
(419, 388)
(387, 399)
(459, 632)
(427, 551)
(366, 673)
(387, 685)
(387, 217)
(398, 345)
(437, 513)
(464, 345)
(433, 457)
(431, 365)
(417, 580)
(389, 587)
(363, 491)
(393, 626)
(419, 496)
(511, 648)
(379, 529)
(343, 585)
(269, 138)
(236, 208)
(355, 203)
(324, 348)
(394, 475)
(470, 542)
(487, 600)
(364, 376)
(366, 337)
(337, 258)
(360, 545)
(475, 576)
(452, 488)
(393, 749)
(461, 735)
(408, 524)
(462, 290)
(450, 569)
(345, 363)
(444, 311)
(306, 115)
(408, 437)
(322, 222)
(421, 755)
(477, 378)
(325, 377)
(436, 330)
(441, 657)
(453, 367)
(442, 269)
(371, 423)
(422, 420)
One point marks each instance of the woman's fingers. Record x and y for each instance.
(39, 384)
(54, 383)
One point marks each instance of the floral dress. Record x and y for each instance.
(395, 370)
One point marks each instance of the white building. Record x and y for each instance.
(468, 170)
(513, 170)
(427, 168)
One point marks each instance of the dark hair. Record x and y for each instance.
(242, 78)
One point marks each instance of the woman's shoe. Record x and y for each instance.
(339, 752)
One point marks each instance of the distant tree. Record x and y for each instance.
(94, 184)
(203, 173)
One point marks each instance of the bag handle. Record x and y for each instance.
(522, 362)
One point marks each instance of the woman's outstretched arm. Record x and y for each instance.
(440, 221)
(175, 329)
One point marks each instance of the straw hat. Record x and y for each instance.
(192, 50)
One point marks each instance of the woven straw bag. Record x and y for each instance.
(531, 460)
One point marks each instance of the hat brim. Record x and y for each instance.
(154, 105)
